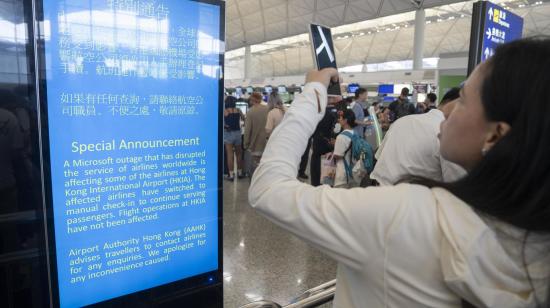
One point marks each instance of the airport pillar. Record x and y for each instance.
(419, 30)
(247, 62)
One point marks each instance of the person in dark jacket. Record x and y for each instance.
(322, 140)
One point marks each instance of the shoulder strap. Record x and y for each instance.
(350, 136)
(347, 166)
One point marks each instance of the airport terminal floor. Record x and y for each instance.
(261, 260)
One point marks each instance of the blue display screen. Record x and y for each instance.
(385, 89)
(501, 26)
(353, 87)
(389, 99)
(132, 110)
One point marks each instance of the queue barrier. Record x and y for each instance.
(313, 297)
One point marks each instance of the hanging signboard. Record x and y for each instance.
(492, 25)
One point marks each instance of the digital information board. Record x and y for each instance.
(133, 98)
(492, 25)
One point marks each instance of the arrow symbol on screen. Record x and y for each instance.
(487, 53)
(324, 45)
(488, 34)
(491, 13)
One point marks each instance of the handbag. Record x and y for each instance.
(328, 169)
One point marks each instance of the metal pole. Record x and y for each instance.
(419, 30)
(247, 62)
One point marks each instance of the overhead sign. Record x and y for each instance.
(492, 25)
(501, 26)
(132, 100)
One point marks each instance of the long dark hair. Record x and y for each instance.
(512, 181)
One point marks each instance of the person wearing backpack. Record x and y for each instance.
(343, 149)
(401, 106)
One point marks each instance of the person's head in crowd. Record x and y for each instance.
(361, 95)
(342, 105)
(376, 106)
(255, 99)
(230, 102)
(431, 98)
(504, 144)
(448, 101)
(348, 100)
(274, 101)
(346, 119)
(404, 93)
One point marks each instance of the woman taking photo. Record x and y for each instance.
(484, 240)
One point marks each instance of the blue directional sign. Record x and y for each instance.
(500, 26)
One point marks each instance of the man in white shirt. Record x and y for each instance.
(411, 148)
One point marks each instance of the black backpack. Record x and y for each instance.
(403, 109)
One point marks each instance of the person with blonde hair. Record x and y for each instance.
(276, 112)
(255, 137)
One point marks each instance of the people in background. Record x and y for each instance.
(358, 110)
(342, 148)
(427, 105)
(482, 241)
(276, 112)
(255, 136)
(322, 141)
(384, 118)
(411, 148)
(430, 101)
(401, 106)
(376, 106)
(232, 139)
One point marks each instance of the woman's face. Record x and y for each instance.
(342, 121)
(465, 133)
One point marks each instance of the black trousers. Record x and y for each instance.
(315, 168)
(320, 147)
(305, 158)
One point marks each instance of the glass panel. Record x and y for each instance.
(23, 271)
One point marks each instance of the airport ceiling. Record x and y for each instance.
(255, 21)
(371, 40)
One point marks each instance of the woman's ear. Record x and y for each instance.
(497, 130)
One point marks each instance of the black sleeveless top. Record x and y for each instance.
(233, 121)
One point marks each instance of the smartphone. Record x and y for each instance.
(324, 53)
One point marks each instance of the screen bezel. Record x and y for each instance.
(210, 283)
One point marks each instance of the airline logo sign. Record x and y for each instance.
(501, 26)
